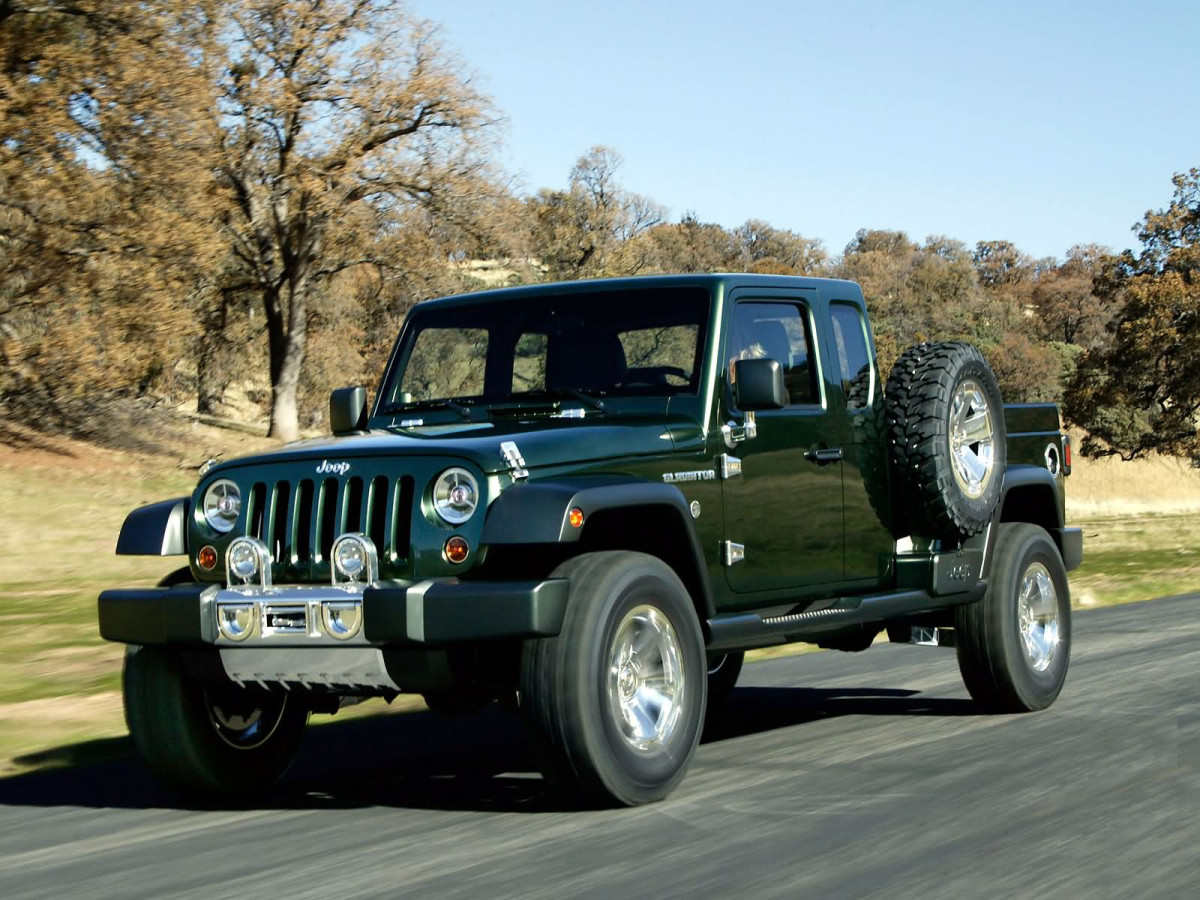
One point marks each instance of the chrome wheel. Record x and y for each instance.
(646, 679)
(972, 435)
(245, 722)
(1037, 617)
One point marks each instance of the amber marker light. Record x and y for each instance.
(575, 517)
(207, 558)
(457, 549)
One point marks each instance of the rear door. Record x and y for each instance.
(783, 512)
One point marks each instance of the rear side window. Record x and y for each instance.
(777, 331)
(854, 355)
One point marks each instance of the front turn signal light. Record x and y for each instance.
(457, 549)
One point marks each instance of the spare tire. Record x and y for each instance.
(948, 442)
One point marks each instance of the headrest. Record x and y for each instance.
(585, 361)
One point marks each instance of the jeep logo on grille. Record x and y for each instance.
(337, 468)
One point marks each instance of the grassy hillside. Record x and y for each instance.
(65, 501)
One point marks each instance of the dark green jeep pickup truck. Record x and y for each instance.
(592, 498)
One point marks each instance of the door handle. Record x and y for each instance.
(823, 456)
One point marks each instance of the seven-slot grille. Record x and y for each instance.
(300, 521)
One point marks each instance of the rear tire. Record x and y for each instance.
(615, 702)
(200, 738)
(1014, 645)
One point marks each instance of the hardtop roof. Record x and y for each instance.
(595, 285)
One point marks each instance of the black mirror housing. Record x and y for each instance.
(758, 384)
(348, 410)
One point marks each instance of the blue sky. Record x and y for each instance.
(1047, 124)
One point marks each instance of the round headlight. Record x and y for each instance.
(455, 495)
(222, 505)
(243, 560)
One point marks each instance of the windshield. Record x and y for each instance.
(646, 342)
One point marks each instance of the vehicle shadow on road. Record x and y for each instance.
(421, 761)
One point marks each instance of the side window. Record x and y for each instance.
(777, 331)
(529, 363)
(854, 355)
(446, 362)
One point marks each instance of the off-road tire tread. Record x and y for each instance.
(919, 390)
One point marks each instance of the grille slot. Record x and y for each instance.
(279, 532)
(302, 523)
(353, 507)
(328, 518)
(400, 531)
(376, 514)
(256, 503)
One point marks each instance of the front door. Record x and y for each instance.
(783, 513)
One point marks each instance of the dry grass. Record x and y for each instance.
(1104, 488)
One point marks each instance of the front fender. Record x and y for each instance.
(538, 513)
(159, 529)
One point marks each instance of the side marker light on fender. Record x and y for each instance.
(575, 517)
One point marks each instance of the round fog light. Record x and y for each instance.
(342, 620)
(355, 558)
(243, 560)
(350, 558)
(236, 620)
(246, 558)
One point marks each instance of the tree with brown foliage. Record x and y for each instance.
(1069, 306)
(1142, 394)
(104, 238)
(579, 232)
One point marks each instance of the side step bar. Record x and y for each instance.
(745, 631)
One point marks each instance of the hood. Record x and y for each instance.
(542, 442)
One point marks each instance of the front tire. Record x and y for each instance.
(200, 738)
(1015, 644)
(615, 702)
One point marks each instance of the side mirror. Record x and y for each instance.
(348, 410)
(758, 384)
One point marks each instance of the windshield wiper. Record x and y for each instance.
(593, 402)
(440, 403)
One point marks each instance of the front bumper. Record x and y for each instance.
(431, 613)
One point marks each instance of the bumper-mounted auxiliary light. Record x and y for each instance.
(246, 558)
(355, 559)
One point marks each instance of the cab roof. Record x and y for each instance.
(728, 280)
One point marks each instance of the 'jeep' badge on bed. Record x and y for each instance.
(337, 468)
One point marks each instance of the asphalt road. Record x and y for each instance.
(832, 775)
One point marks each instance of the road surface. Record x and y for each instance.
(832, 775)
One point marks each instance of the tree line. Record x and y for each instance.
(197, 195)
